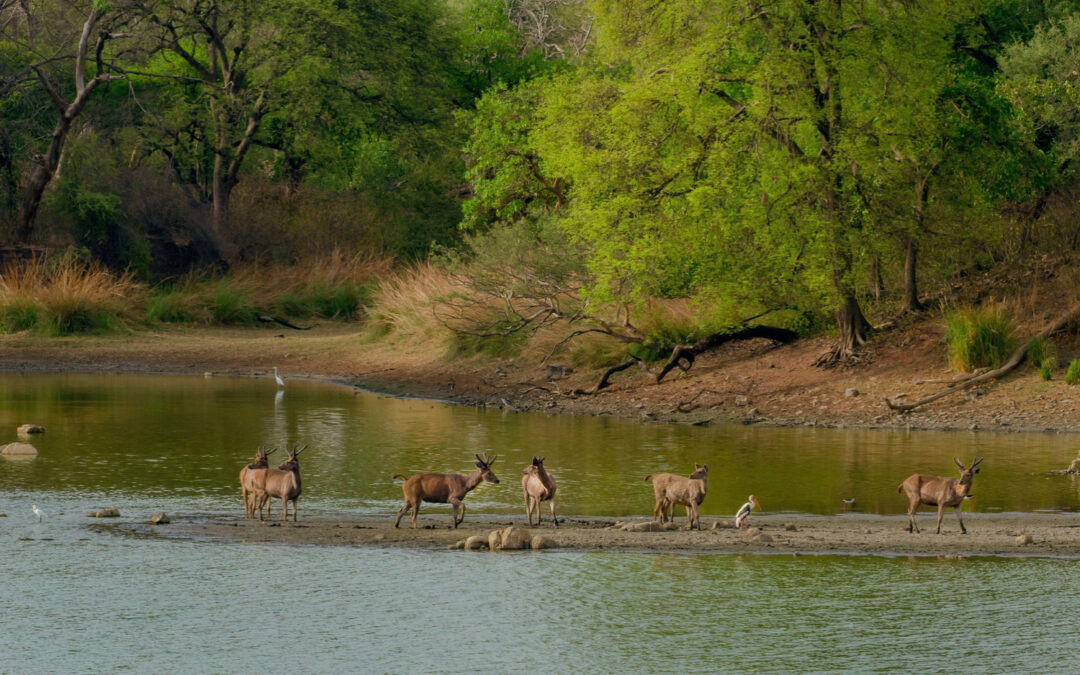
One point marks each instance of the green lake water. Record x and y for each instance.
(76, 600)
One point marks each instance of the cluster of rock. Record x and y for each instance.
(22, 450)
(509, 539)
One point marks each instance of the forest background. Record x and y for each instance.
(587, 180)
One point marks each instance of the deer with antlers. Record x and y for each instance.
(537, 485)
(252, 478)
(443, 488)
(284, 483)
(940, 492)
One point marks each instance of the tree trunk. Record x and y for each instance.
(39, 178)
(852, 326)
(911, 289)
(877, 285)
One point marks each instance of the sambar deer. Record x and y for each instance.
(671, 489)
(284, 483)
(252, 478)
(443, 488)
(940, 492)
(537, 485)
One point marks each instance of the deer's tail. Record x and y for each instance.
(398, 475)
(900, 488)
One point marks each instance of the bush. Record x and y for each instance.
(1040, 350)
(1072, 375)
(1046, 367)
(18, 314)
(174, 305)
(230, 305)
(979, 338)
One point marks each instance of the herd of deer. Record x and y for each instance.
(259, 484)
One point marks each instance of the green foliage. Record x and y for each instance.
(18, 314)
(74, 318)
(1072, 375)
(981, 337)
(328, 301)
(231, 305)
(1039, 351)
(173, 305)
(497, 346)
(1046, 368)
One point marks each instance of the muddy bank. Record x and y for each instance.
(756, 382)
(988, 535)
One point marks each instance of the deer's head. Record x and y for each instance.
(700, 471)
(968, 474)
(484, 464)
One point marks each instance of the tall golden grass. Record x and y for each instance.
(66, 295)
(403, 305)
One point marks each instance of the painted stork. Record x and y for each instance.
(742, 516)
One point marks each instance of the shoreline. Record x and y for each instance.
(993, 535)
(760, 384)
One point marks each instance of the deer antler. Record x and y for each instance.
(300, 450)
(958, 463)
(976, 462)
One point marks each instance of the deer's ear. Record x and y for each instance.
(479, 465)
(976, 471)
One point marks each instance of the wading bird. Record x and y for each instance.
(742, 517)
(277, 378)
(37, 512)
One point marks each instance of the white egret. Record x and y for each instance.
(37, 512)
(277, 378)
(742, 516)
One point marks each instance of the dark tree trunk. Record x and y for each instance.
(911, 289)
(852, 326)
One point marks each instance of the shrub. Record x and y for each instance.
(174, 305)
(1072, 375)
(979, 338)
(1046, 367)
(18, 314)
(231, 305)
(1040, 350)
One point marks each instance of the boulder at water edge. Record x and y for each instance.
(27, 429)
(160, 518)
(540, 541)
(13, 449)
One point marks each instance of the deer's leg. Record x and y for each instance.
(963, 530)
(401, 512)
(911, 517)
(294, 510)
(658, 509)
(415, 511)
(528, 505)
(940, 515)
(457, 503)
(247, 509)
(284, 509)
(554, 518)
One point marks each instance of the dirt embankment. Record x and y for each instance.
(1009, 535)
(754, 382)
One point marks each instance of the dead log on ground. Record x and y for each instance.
(688, 353)
(1014, 360)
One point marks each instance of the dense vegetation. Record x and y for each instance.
(653, 173)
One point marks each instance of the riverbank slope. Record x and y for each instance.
(752, 382)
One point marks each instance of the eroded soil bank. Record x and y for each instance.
(755, 382)
(988, 535)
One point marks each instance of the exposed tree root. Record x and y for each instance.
(1014, 360)
(683, 356)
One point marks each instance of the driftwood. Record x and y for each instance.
(682, 356)
(1014, 360)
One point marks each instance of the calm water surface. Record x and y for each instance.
(75, 600)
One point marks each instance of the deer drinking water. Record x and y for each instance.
(443, 488)
(284, 483)
(252, 478)
(537, 485)
(671, 489)
(939, 492)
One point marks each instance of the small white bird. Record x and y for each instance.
(37, 512)
(848, 502)
(277, 378)
(742, 516)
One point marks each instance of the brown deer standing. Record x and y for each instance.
(443, 488)
(671, 489)
(537, 485)
(284, 483)
(252, 478)
(939, 492)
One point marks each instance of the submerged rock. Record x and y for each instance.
(27, 429)
(159, 518)
(104, 513)
(16, 448)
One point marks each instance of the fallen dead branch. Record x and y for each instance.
(604, 382)
(683, 356)
(954, 380)
(1014, 360)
